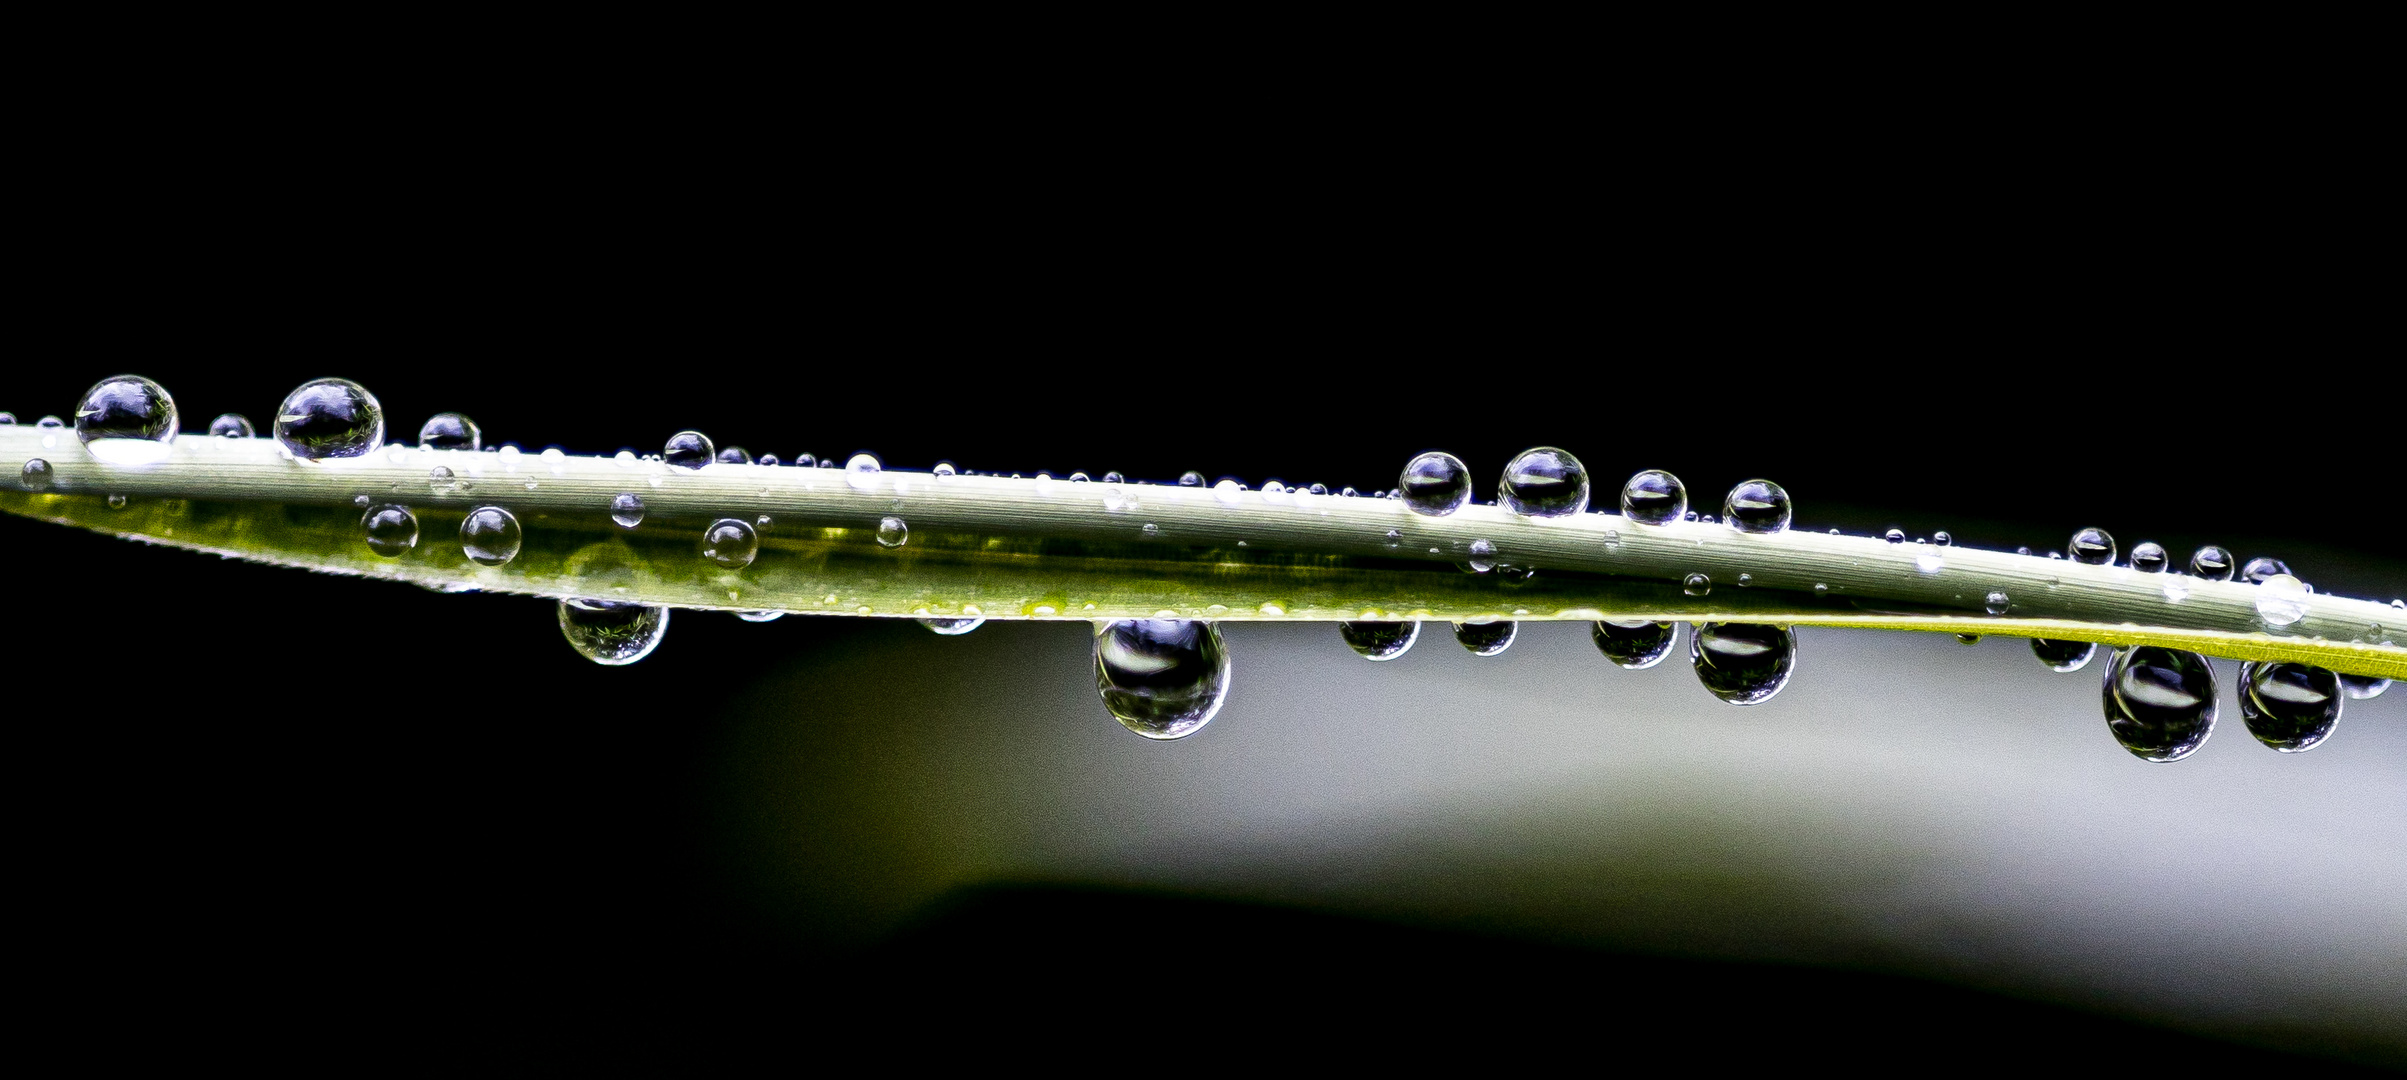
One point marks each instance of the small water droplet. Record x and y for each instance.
(1161, 678)
(116, 501)
(2289, 707)
(2023, 550)
(2063, 655)
(861, 471)
(627, 509)
(1228, 492)
(688, 450)
(1995, 603)
(1151, 531)
(1745, 580)
(952, 627)
(766, 615)
(612, 632)
(1544, 482)
(1348, 493)
(232, 426)
(2160, 703)
(2148, 557)
(2212, 563)
(1894, 536)
(8, 419)
(1636, 644)
(1821, 589)
(490, 536)
(1696, 585)
(2281, 600)
(1486, 637)
(2092, 546)
(451, 431)
(626, 459)
(330, 418)
(1395, 539)
(1190, 478)
(37, 475)
(2261, 569)
(1654, 497)
(1742, 663)
(1483, 557)
(2362, 687)
(391, 529)
(441, 475)
(733, 455)
(1435, 483)
(1757, 506)
(771, 460)
(1269, 607)
(892, 532)
(50, 422)
(127, 420)
(1930, 562)
(1968, 639)
(1378, 640)
(361, 501)
(2174, 590)
(731, 543)
(1942, 538)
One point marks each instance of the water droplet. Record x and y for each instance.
(2261, 569)
(1544, 482)
(1930, 561)
(733, 455)
(1395, 539)
(490, 536)
(767, 615)
(730, 542)
(771, 460)
(330, 418)
(1379, 640)
(50, 422)
(2212, 563)
(861, 472)
(1894, 536)
(37, 475)
(2023, 550)
(689, 450)
(952, 627)
(2160, 703)
(1821, 589)
(627, 509)
(1654, 497)
(391, 530)
(2174, 590)
(2148, 557)
(451, 431)
(1269, 607)
(2289, 707)
(1486, 637)
(7, 419)
(2281, 600)
(1151, 531)
(892, 532)
(1942, 538)
(1483, 557)
(2362, 687)
(1161, 678)
(612, 632)
(441, 475)
(1190, 478)
(1968, 639)
(1742, 663)
(1636, 644)
(2063, 655)
(127, 420)
(116, 501)
(1745, 580)
(1757, 506)
(1696, 585)
(1995, 603)
(2092, 546)
(232, 425)
(1435, 483)
(1228, 492)
(361, 501)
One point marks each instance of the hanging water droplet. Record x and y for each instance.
(1379, 640)
(2261, 569)
(892, 532)
(861, 472)
(730, 542)
(116, 501)
(2362, 687)
(127, 420)
(2212, 563)
(2063, 655)
(1696, 585)
(451, 431)
(1757, 506)
(1435, 483)
(1654, 497)
(1894, 536)
(1161, 678)
(1968, 639)
(1483, 557)
(627, 509)
(330, 418)
(2289, 707)
(1943, 539)
(689, 450)
(232, 426)
(1995, 603)
(2160, 703)
(391, 530)
(733, 455)
(2281, 600)
(1636, 644)
(2092, 546)
(766, 615)
(612, 632)
(952, 627)
(1543, 482)
(2148, 557)
(1742, 663)
(1486, 637)
(490, 536)
(37, 475)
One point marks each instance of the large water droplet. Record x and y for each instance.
(7, 419)
(2281, 600)
(952, 627)
(2289, 707)
(689, 450)
(1229, 492)
(1654, 497)
(2260, 569)
(2092, 546)
(2212, 563)
(2362, 687)
(1482, 557)
(1636, 644)
(450, 431)
(391, 530)
(232, 425)
(2160, 703)
(1696, 585)
(733, 455)
(731, 542)
(1742, 663)
(37, 475)
(612, 632)
(1379, 640)
(330, 418)
(1543, 482)
(1486, 637)
(1757, 506)
(1436, 483)
(627, 509)
(861, 472)
(2063, 655)
(1161, 678)
(127, 420)
(2148, 557)
(892, 532)
(490, 536)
